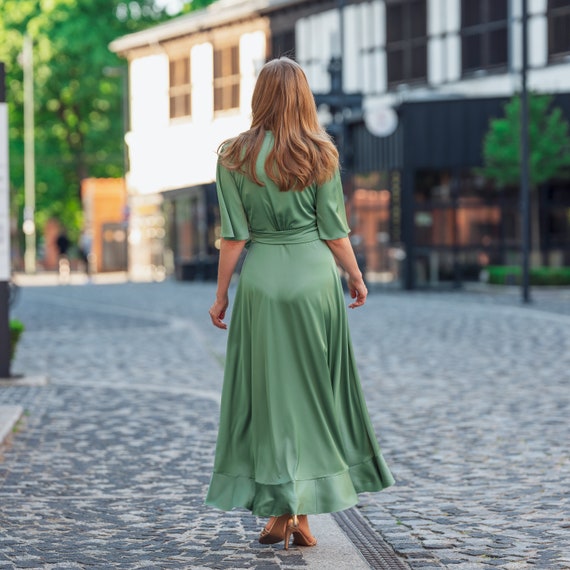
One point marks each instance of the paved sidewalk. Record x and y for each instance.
(469, 394)
(111, 463)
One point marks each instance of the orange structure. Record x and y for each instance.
(105, 218)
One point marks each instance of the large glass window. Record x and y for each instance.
(484, 35)
(558, 28)
(458, 210)
(406, 41)
(180, 87)
(226, 78)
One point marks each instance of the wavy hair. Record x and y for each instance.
(303, 153)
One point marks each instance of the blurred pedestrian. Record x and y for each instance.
(62, 243)
(295, 437)
(85, 246)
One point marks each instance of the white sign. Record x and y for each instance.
(380, 120)
(4, 196)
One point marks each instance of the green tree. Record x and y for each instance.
(78, 109)
(549, 142)
(193, 5)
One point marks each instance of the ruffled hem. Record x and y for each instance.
(309, 497)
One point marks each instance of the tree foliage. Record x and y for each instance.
(194, 5)
(549, 142)
(78, 109)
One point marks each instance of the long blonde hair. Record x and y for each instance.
(303, 152)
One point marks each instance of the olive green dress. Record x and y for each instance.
(295, 435)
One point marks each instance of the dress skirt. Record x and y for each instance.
(295, 434)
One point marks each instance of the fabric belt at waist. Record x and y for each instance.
(284, 237)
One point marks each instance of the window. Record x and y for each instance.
(558, 28)
(283, 44)
(484, 34)
(406, 41)
(180, 87)
(226, 78)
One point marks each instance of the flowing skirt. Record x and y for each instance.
(295, 434)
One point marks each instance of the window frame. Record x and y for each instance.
(484, 30)
(553, 13)
(406, 45)
(179, 86)
(224, 83)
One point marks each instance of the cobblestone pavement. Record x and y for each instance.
(469, 394)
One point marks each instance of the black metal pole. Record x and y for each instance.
(5, 343)
(525, 171)
(341, 109)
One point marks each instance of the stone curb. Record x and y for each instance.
(24, 381)
(9, 416)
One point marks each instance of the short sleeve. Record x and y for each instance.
(232, 214)
(331, 213)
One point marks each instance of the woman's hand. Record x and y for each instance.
(358, 291)
(218, 312)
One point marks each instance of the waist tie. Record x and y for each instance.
(285, 237)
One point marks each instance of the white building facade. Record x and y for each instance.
(190, 86)
(191, 81)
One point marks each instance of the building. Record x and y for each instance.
(431, 74)
(191, 81)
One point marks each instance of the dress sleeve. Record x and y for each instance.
(331, 213)
(232, 213)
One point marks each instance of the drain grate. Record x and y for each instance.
(378, 553)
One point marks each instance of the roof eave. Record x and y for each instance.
(217, 14)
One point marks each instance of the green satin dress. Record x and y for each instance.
(295, 435)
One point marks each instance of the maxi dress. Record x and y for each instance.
(294, 435)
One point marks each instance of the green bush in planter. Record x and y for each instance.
(16, 330)
(511, 275)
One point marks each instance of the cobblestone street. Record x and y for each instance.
(468, 392)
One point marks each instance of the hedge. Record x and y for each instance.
(511, 275)
(16, 330)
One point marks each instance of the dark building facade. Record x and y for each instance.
(448, 220)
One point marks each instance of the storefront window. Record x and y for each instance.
(462, 224)
(371, 220)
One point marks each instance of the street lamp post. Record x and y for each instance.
(525, 170)
(5, 342)
(29, 226)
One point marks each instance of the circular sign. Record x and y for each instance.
(380, 120)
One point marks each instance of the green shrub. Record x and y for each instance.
(511, 275)
(16, 330)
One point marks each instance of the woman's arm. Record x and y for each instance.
(230, 250)
(344, 254)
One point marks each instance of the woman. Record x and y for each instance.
(294, 437)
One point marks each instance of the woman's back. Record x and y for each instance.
(266, 209)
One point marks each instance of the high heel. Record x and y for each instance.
(275, 530)
(282, 527)
(302, 533)
(292, 525)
